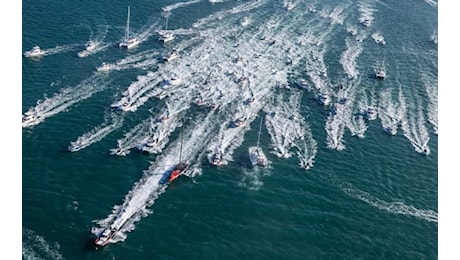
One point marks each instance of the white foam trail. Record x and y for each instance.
(66, 98)
(172, 7)
(433, 3)
(397, 207)
(390, 112)
(111, 123)
(349, 56)
(416, 132)
(366, 9)
(58, 49)
(35, 247)
(431, 88)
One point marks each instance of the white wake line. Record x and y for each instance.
(396, 207)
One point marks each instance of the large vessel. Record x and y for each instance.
(128, 42)
(256, 155)
(35, 52)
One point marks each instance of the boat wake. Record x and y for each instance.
(64, 99)
(112, 122)
(36, 247)
(396, 207)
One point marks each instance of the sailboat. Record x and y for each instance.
(165, 35)
(128, 42)
(178, 169)
(256, 155)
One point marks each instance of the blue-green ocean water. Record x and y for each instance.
(367, 195)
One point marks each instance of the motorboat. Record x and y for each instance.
(35, 52)
(289, 6)
(90, 45)
(371, 113)
(380, 73)
(245, 21)
(128, 42)
(174, 81)
(324, 99)
(104, 237)
(239, 121)
(216, 158)
(123, 104)
(166, 36)
(390, 130)
(170, 56)
(75, 146)
(365, 21)
(104, 67)
(29, 117)
(151, 142)
(302, 83)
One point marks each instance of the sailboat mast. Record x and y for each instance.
(181, 142)
(127, 25)
(258, 136)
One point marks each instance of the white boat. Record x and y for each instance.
(29, 118)
(370, 113)
(256, 155)
(35, 52)
(90, 45)
(380, 73)
(128, 42)
(123, 104)
(246, 21)
(289, 6)
(174, 81)
(239, 121)
(216, 158)
(166, 36)
(390, 130)
(104, 67)
(365, 21)
(170, 56)
(302, 83)
(75, 146)
(324, 99)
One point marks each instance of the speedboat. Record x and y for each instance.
(90, 45)
(302, 83)
(324, 99)
(245, 21)
(123, 104)
(365, 21)
(380, 73)
(289, 6)
(216, 158)
(174, 81)
(35, 52)
(166, 36)
(239, 121)
(104, 237)
(151, 142)
(170, 56)
(370, 113)
(105, 67)
(390, 130)
(75, 146)
(257, 156)
(29, 117)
